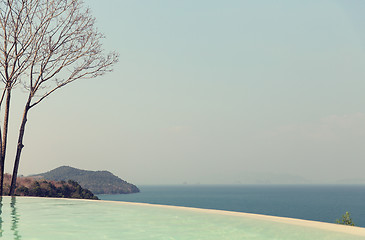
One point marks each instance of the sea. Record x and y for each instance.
(325, 203)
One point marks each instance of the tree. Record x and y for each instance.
(14, 59)
(47, 45)
(346, 220)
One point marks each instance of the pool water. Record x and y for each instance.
(41, 218)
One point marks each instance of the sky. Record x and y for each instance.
(213, 92)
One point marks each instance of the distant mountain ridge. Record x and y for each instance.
(98, 182)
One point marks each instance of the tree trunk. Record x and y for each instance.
(4, 139)
(1, 168)
(19, 149)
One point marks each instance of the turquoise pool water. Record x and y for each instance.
(40, 218)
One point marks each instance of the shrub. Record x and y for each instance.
(346, 220)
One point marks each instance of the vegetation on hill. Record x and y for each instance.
(27, 186)
(99, 182)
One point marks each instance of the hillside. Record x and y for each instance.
(27, 186)
(99, 182)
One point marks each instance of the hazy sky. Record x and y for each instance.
(210, 91)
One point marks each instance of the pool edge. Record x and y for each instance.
(352, 230)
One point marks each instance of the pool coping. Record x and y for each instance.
(353, 230)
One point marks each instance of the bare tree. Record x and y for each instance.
(14, 57)
(55, 42)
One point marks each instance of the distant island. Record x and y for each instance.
(28, 186)
(98, 182)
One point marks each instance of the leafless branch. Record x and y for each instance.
(46, 45)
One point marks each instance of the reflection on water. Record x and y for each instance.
(14, 219)
(1, 216)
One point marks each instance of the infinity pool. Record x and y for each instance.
(40, 218)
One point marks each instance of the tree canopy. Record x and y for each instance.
(44, 46)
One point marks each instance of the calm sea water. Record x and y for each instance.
(319, 203)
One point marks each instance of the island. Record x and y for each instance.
(29, 186)
(98, 182)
